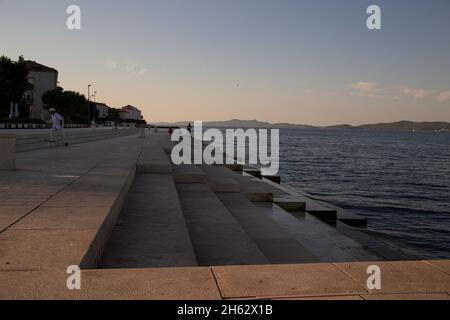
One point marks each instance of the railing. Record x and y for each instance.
(38, 126)
(67, 126)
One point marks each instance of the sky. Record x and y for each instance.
(308, 62)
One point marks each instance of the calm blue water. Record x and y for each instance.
(400, 181)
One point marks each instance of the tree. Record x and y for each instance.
(70, 104)
(13, 82)
(53, 98)
(114, 115)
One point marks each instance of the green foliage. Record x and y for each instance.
(70, 104)
(13, 82)
(114, 115)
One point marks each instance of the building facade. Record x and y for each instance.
(103, 110)
(42, 79)
(130, 113)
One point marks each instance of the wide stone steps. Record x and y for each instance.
(187, 215)
(151, 231)
(324, 242)
(217, 237)
(254, 189)
(273, 243)
(277, 246)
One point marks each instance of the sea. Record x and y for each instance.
(399, 181)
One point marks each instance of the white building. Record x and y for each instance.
(130, 113)
(103, 110)
(42, 79)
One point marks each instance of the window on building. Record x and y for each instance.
(29, 96)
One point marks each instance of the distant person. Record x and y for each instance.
(57, 127)
(189, 128)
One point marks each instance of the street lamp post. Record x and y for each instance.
(89, 105)
(95, 112)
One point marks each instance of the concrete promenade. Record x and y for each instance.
(28, 139)
(415, 280)
(141, 228)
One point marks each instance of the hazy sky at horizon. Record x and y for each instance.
(311, 62)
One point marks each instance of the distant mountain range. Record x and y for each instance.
(394, 126)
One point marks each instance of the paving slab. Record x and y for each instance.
(408, 297)
(10, 215)
(220, 182)
(224, 185)
(157, 284)
(153, 159)
(443, 265)
(43, 249)
(76, 196)
(284, 281)
(401, 277)
(188, 174)
(24, 189)
(63, 218)
(139, 284)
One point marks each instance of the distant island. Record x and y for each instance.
(394, 126)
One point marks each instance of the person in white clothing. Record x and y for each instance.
(58, 127)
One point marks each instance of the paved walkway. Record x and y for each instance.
(60, 202)
(29, 140)
(414, 280)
